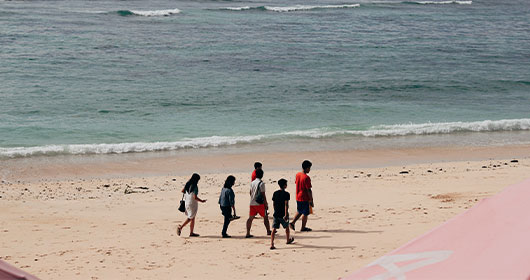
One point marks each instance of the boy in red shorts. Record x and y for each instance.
(304, 196)
(258, 203)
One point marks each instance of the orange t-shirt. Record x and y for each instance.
(303, 184)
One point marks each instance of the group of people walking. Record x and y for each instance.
(258, 203)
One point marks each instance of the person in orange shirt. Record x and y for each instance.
(304, 196)
(257, 165)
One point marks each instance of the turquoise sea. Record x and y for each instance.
(108, 76)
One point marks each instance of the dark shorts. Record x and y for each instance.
(303, 207)
(226, 211)
(279, 221)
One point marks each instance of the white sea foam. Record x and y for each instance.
(219, 141)
(307, 7)
(82, 149)
(448, 127)
(443, 2)
(421, 129)
(156, 12)
(237, 8)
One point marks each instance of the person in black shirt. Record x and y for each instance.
(281, 211)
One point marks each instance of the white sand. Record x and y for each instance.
(76, 222)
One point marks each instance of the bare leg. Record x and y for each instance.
(296, 217)
(249, 224)
(304, 221)
(180, 227)
(272, 238)
(287, 232)
(185, 223)
(267, 225)
(192, 225)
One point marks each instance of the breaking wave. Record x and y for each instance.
(292, 8)
(153, 13)
(438, 2)
(219, 141)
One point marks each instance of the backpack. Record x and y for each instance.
(259, 196)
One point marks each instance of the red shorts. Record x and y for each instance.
(257, 209)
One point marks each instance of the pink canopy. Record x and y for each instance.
(9, 272)
(489, 241)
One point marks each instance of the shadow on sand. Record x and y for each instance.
(296, 245)
(347, 231)
(262, 237)
(298, 235)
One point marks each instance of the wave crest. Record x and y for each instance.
(439, 2)
(153, 13)
(292, 8)
(237, 8)
(219, 141)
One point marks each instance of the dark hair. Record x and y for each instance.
(259, 173)
(306, 164)
(257, 165)
(282, 183)
(192, 183)
(230, 180)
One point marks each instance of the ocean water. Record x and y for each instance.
(107, 76)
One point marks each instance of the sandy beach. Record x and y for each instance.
(116, 218)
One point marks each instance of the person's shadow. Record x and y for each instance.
(261, 237)
(297, 245)
(347, 231)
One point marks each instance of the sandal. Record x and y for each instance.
(306, 229)
(179, 230)
(249, 236)
(291, 240)
(194, 235)
(272, 247)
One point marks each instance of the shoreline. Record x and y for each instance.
(234, 160)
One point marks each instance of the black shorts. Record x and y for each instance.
(303, 207)
(279, 221)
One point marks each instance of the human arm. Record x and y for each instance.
(265, 200)
(286, 217)
(198, 199)
(232, 198)
(309, 191)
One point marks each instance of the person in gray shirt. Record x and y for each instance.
(227, 204)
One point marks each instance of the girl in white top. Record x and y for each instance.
(191, 200)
